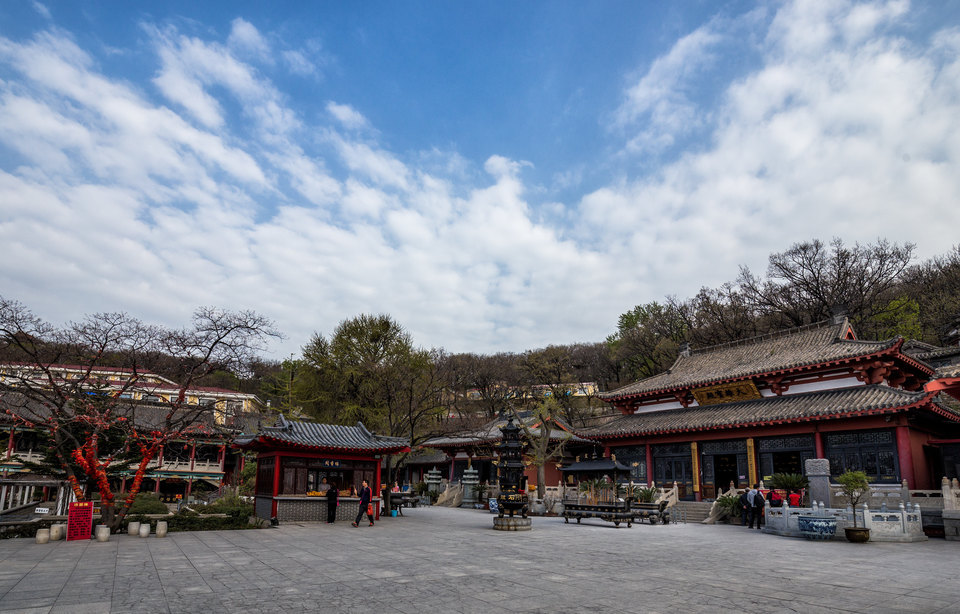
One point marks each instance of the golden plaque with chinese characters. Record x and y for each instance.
(733, 392)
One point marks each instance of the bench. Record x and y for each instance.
(611, 512)
(654, 512)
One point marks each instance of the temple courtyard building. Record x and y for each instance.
(737, 413)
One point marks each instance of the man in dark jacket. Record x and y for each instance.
(756, 503)
(745, 508)
(332, 503)
(365, 497)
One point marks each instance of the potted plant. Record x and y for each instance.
(854, 486)
(729, 508)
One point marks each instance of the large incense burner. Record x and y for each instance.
(513, 482)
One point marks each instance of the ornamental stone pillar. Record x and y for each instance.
(818, 472)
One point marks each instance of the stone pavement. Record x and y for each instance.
(450, 560)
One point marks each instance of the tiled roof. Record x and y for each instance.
(329, 436)
(949, 371)
(808, 346)
(490, 433)
(427, 457)
(788, 408)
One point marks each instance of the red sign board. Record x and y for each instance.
(79, 520)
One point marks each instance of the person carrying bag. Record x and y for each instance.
(366, 505)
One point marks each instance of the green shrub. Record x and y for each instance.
(788, 481)
(146, 503)
(647, 494)
(729, 506)
(186, 520)
(231, 505)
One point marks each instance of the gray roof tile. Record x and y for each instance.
(333, 436)
(788, 408)
(799, 348)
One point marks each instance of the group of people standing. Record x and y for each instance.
(751, 506)
(333, 502)
(752, 500)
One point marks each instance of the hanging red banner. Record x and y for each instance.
(79, 520)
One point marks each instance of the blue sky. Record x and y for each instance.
(496, 176)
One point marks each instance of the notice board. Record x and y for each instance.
(79, 520)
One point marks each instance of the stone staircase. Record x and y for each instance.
(691, 511)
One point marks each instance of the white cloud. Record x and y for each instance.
(845, 130)
(226, 196)
(349, 118)
(298, 63)
(245, 37)
(41, 9)
(659, 99)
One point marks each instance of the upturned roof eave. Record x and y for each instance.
(611, 397)
(917, 404)
(274, 442)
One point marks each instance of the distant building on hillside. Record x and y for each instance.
(198, 464)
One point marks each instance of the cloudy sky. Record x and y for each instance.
(495, 176)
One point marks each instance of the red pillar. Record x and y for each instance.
(649, 465)
(10, 443)
(276, 485)
(905, 456)
(818, 445)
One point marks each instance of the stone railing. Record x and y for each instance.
(715, 511)
(452, 496)
(947, 497)
(900, 524)
(671, 495)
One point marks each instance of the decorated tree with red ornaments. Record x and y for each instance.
(90, 389)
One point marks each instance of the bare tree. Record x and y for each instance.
(76, 384)
(807, 281)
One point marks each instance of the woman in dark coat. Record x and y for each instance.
(332, 503)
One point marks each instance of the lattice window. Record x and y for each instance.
(796, 442)
(732, 446)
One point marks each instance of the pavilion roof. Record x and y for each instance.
(313, 435)
(794, 350)
(490, 433)
(819, 406)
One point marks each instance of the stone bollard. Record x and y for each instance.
(43, 536)
(161, 528)
(145, 529)
(102, 533)
(133, 528)
(56, 532)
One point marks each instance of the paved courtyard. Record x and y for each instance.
(444, 560)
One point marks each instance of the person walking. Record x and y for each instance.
(756, 503)
(745, 507)
(333, 500)
(365, 497)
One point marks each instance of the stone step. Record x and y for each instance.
(693, 511)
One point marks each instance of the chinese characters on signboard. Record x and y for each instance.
(79, 520)
(733, 392)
